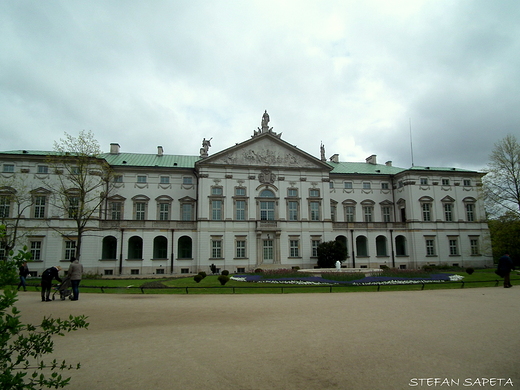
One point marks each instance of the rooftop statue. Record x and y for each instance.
(265, 127)
(206, 144)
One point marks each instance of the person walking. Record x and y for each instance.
(23, 272)
(505, 266)
(74, 273)
(48, 275)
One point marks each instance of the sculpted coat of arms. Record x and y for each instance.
(266, 176)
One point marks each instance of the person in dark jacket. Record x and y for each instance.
(75, 272)
(48, 275)
(505, 266)
(23, 272)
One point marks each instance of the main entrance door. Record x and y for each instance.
(268, 255)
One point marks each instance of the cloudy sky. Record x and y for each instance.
(363, 77)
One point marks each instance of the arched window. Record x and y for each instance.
(343, 240)
(381, 246)
(109, 248)
(361, 246)
(400, 246)
(267, 194)
(160, 247)
(184, 248)
(267, 207)
(135, 248)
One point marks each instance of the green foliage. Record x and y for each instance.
(282, 273)
(23, 346)
(223, 279)
(197, 278)
(259, 271)
(329, 252)
(225, 272)
(203, 274)
(470, 270)
(505, 236)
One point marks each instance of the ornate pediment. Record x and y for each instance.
(265, 150)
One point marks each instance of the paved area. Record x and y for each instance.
(377, 340)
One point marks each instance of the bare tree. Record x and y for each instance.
(82, 183)
(502, 183)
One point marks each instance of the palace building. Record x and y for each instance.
(261, 203)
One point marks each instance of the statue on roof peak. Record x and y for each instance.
(265, 126)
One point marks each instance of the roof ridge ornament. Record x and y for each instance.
(265, 127)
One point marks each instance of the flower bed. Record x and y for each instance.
(363, 281)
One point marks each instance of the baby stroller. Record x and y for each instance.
(63, 289)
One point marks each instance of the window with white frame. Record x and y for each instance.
(116, 210)
(216, 191)
(314, 193)
(331, 184)
(216, 210)
(470, 212)
(8, 168)
(141, 179)
(70, 249)
(140, 211)
(292, 192)
(448, 212)
(368, 213)
(5, 206)
(39, 206)
(424, 181)
(187, 211)
(43, 169)
(348, 185)
(314, 210)
(386, 212)
(240, 250)
(350, 213)
(385, 186)
(36, 249)
(187, 180)
(314, 247)
(118, 178)
(426, 211)
(165, 180)
(367, 185)
(294, 248)
(333, 212)
(216, 248)
(445, 182)
(466, 182)
(474, 246)
(454, 246)
(240, 210)
(430, 246)
(292, 208)
(73, 207)
(164, 211)
(240, 191)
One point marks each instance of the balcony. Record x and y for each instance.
(133, 224)
(368, 225)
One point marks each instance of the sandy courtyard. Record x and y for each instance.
(378, 340)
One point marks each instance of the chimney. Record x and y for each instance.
(371, 159)
(335, 158)
(388, 163)
(159, 150)
(114, 148)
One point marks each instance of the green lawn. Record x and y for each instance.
(211, 285)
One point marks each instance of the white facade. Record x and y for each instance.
(260, 203)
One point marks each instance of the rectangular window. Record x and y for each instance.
(424, 181)
(314, 193)
(39, 206)
(292, 192)
(141, 179)
(216, 191)
(164, 211)
(43, 169)
(315, 244)
(187, 180)
(430, 247)
(165, 180)
(333, 212)
(387, 213)
(134, 272)
(3, 251)
(475, 250)
(384, 186)
(73, 206)
(470, 212)
(366, 186)
(216, 210)
(140, 211)
(445, 182)
(454, 247)
(466, 182)
(115, 211)
(448, 212)
(240, 191)
(118, 178)
(348, 185)
(331, 184)
(187, 212)
(367, 212)
(240, 206)
(426, 211)
(350, 214)
(8, 168)
(5, 206)
(267, 211)
(70, 249)
(240, 249)
(294, 248)
(216, 249)
(315, 211)
(293, 210)
(36, 250)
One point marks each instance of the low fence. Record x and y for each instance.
(283, 289)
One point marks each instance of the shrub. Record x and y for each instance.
(469, 270)
(203, 274)
(223, 279)
(225, 272)
(198, 278)
(259, 271)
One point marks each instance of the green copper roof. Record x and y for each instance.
(364, 168)
(150, 160)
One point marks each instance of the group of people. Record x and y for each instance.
(74, 274)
